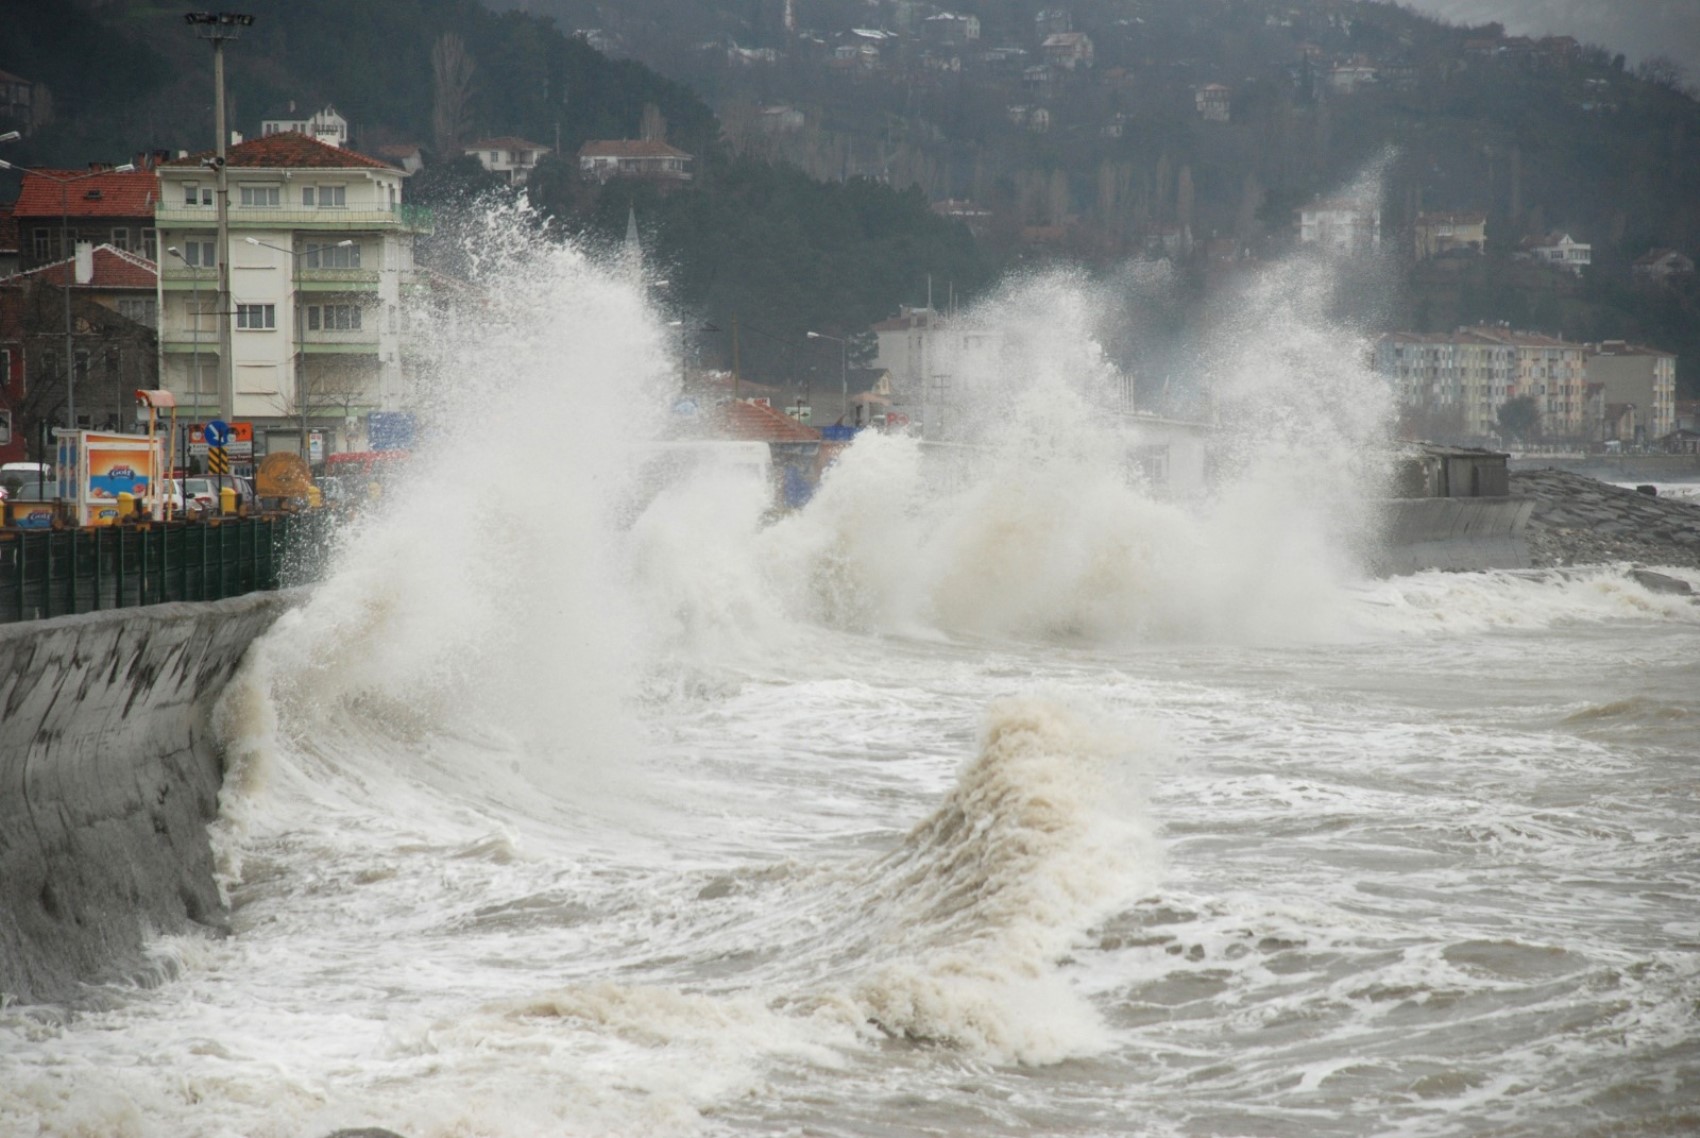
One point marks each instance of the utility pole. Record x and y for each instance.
(216, 28)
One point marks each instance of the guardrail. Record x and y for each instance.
(49, 573)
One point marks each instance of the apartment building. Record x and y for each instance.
(1476, 370)
(1641, 376)
(1342, 226)
(320, 249)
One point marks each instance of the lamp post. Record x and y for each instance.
(195, 287)
(843, 373)
(300, 322)
(216, 28)
(65, 182)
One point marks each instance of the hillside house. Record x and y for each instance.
(1559, 250)
(1659, 265)
(1341, 226)
(326, 126)
(633, 158)
(1067, 50)
(1214, 102)
(1437, 234)
(507, 157)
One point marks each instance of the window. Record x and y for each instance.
(195, 194)
(5, 427)
(256, 317)
(262, 197)
(43, 244)
(150, 244)
(333, 318)
(332, 256)
(331, 197)
(143, 310)
(307, 195)
(121, 238)
(200, 254)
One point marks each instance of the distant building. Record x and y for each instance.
(1213, 101)
(1342, 226)
(1440, 233)
(1559, 250)
(24, 105)
(975, 216)
(634, 158)
(1645, 377)
(508, 157)
(1659, 265)
(1346, 78)
(1067, 50)
(948, 29)
(1052, 21)
(1474, 371)
(325, 126)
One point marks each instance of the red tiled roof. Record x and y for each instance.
(113, 269)
(629, 148)
(288, 150)
(757, 422)
(85, 193)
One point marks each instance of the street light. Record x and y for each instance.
(64, 182)
(195, 285)
(843, 373)
(300, 321)
(10, 136)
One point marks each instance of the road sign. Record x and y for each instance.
(217, 432)
(218, 462)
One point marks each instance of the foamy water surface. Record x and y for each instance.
(1041, 805)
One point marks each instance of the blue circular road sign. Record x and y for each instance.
(216, 432)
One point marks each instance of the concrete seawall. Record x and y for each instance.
(108, 778)
(1454, 533)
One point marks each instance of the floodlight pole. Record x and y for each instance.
(843, 373)
(216, 28)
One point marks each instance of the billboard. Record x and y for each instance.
(97, 466)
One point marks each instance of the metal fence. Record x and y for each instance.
(48, 573)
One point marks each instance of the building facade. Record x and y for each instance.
(1642, 376)
(633, 158)
(1473, 372)
(510, 158)
(1441, 233)
(1341, 226)
(320, 250)
(57, 210)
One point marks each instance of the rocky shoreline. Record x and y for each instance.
(1579, 520)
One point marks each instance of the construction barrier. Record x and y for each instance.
(61, 572)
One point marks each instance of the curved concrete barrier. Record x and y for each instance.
(1454, 533)
(108, 778)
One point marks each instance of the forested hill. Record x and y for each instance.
(129, 75)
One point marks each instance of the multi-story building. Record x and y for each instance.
(1646, 377)
(1214, 102)
(57, 210)
(1474, 371)
(320, 249)
(652, 160)
(327, 125)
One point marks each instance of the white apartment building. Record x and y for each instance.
(320, 249)
(327, 125)
(1643, 376)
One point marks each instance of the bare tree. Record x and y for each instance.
(452, 69)
(1661, 71)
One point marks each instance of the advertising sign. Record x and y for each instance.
(389, 430)
(97, 466)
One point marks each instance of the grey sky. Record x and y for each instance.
(1638, 28)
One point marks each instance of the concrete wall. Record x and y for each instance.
(1618, 468)
(108, 778)
(1454, 533)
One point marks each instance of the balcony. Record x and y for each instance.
(353, 341)
(338, 280)
(410, 218)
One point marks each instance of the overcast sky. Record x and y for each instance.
(1638, 28)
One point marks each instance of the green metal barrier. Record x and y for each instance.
(48, 573)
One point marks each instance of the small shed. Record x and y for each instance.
(1434, 471)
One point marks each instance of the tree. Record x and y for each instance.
(451, 92)
(1519, 417)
